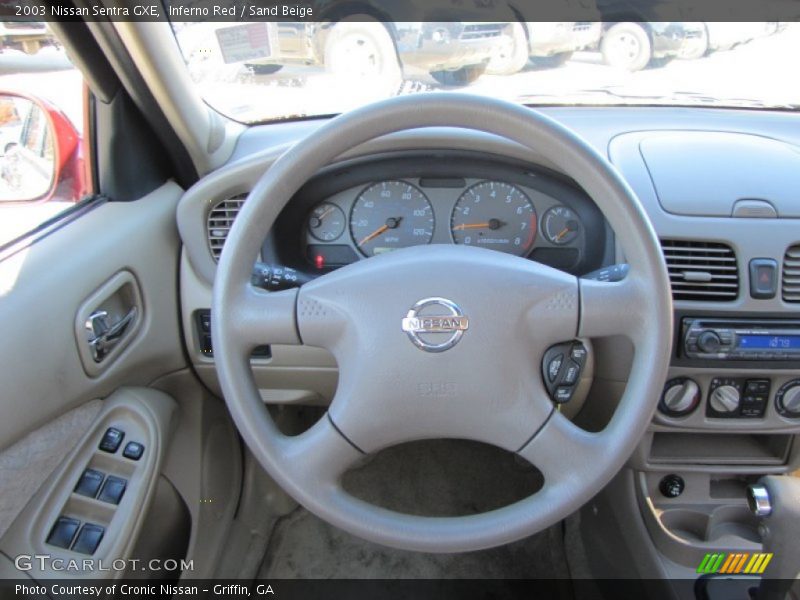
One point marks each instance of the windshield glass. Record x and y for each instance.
(255, 72)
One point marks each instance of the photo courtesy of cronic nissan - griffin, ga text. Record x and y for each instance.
(400, 299)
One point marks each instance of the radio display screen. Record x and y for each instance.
(777, 342)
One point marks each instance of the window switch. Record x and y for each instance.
(112, 438)
(133, 450)
(88, 539)
(89, 483)
(63, 532)
(112, 490)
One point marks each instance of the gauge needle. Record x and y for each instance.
(391, 223)
(374, 234)
(490, 224)
(326, 213)
(562, 233)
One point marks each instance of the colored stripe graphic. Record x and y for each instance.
(735, 563)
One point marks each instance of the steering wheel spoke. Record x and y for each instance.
(320, 455)
(562, 451)
(257, 317)
(616, 308)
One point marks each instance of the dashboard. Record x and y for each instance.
(366, 208)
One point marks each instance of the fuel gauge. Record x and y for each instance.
(326, 222)
(560, 225)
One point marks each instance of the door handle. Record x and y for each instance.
(103, 337)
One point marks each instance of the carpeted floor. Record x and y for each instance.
(442, 478)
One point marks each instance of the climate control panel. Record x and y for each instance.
(736, 397)
(702, 398)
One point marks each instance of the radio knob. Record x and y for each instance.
(681, 396)
(789, 401)
(709, 342)
(725, 399)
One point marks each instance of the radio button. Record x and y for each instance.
(709, 342)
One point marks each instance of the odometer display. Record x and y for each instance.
(391, 215)
(496, 215)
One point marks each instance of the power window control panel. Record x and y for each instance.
(112, 439)
(63, 535)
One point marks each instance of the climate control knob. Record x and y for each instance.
(787, 400)
(681, 396)
(725, 399)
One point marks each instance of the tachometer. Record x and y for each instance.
(389, 215)
(496, 215)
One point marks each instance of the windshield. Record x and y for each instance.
(255, 72)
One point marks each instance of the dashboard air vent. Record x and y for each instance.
(701, 271)
(220, 220)
(791, 274)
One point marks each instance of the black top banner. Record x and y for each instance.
(400, 10)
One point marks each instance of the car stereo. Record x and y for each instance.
(741, 339)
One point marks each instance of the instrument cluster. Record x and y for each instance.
(377, 208)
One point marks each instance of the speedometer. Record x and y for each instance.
(496, 215)
(389, 215)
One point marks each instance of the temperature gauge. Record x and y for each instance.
(326, 222)
(560, 225)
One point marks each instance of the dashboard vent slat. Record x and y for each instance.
(219, 222)
(791, 275)
(702, 271)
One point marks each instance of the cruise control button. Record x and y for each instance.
(563, 394)
(578, 353)
(554, 367)
(571, 373)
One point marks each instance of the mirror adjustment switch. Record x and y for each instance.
(112, 490)
(63, 532)
(88, 539)
(133, 450)
(89, 483)
(112, 438)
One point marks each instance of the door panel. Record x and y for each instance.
(44, 289)
(28, 463)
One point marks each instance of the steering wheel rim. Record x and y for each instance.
(349, 311)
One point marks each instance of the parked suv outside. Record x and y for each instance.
(453, 53)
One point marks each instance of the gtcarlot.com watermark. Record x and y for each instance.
(42, 562)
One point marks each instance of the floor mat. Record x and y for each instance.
(433, 478)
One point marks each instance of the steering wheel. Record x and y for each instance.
(505, 311)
